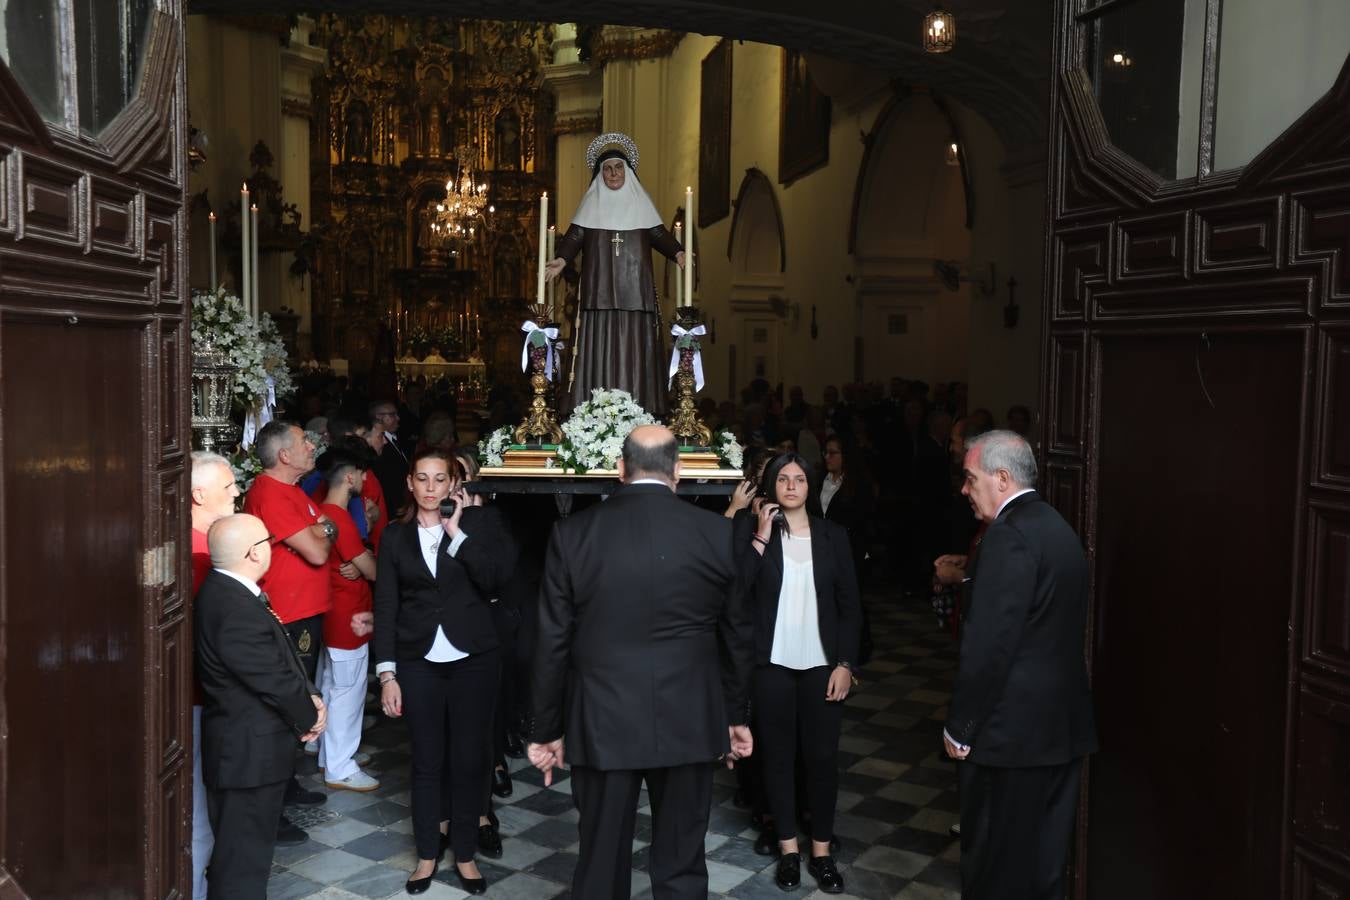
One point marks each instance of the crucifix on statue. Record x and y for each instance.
(616, 241)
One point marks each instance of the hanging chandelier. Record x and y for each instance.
(465, 212)
(939, 30)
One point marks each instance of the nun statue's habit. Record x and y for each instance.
(620, 343)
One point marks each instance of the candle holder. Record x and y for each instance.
(686, 422)
(540, 424)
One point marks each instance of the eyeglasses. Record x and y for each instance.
(256, 543)
(386, 415)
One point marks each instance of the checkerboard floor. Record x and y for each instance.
(897, 800)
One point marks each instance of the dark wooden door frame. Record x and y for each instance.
(93, 231)
(1265, 247)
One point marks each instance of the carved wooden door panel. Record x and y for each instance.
(95, 777)
(1196, 376)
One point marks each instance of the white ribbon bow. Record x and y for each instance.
(551, 335)
(256, 418)
(679, 332)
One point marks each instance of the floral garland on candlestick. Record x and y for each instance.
(593, 435)
(220, 321)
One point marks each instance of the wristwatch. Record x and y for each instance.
(329, 530)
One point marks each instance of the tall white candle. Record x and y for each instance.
(691, 218)
(552, 285)
(245, 279)
(253, 267)
(212, 219)
(679, 276)
(543, 246)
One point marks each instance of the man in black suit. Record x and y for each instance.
(643, 626)
(258, 707)
(1020, 716)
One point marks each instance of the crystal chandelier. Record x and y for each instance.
(465, 211)
(939, 30)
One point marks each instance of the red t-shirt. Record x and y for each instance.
(349, 597)
(297, 589)
(201, 564)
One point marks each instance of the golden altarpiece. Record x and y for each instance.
(405, 106)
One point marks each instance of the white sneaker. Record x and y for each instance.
(312, 747)
(359, 781)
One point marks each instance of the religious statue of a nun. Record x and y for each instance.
(620, 343)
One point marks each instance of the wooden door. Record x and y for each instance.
(95, 772)
(1197, 387)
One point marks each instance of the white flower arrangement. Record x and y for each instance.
(220, 320)
(492, 448)
(728, 449)
(246, 468)
(593, 435)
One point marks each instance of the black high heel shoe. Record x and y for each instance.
(490, 839)
(470, 885)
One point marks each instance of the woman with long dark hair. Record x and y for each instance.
(437, 657)
(807, 622)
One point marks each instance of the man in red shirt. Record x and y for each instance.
(213, 494)
(346, 627)
(297, 581)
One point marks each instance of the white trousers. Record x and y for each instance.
(343, 684)
(202, 838)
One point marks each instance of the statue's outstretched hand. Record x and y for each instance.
(553, 268)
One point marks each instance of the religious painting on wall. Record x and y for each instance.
(803, 122)
(714, 137)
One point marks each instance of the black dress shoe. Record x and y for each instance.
(766, 844)
(289, 834)
(490, 841)
(501, 783)
(515, 747)
(826, 874)
(788, 875)
(471, 885)
(298, 796)
(420, 885)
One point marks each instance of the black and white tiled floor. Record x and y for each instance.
(897, 800)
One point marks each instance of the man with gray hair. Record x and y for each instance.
(213, 494)
(1020, 718)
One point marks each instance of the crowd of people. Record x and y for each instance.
(375, 558)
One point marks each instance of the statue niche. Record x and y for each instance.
(356, 133)
(508, 140)
(435, 133)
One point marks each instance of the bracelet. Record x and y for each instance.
(392, 677)
(762, 540)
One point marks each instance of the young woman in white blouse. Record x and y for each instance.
(807, 625)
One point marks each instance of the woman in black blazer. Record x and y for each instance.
(438, 658)
(807, 623)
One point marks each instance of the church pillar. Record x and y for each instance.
(300, 63)
(576, 121)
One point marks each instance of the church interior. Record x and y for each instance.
(1128, 218)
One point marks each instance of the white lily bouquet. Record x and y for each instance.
(593, 435)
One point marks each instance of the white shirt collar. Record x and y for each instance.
(1004, 504)
(651, 481)
(246, 582)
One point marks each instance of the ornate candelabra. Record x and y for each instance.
(687, 365)
(540, 424)
(212, 395)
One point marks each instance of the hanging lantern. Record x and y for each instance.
(939, 31)
(953, 154)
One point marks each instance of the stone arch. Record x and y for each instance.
(757, 245)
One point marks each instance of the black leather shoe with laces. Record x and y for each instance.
(826, 874)
(788, 875)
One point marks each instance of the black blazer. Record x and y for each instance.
(1021, 696)
(838, 606)
(643, 630)
(409, 603)
(258, 700)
